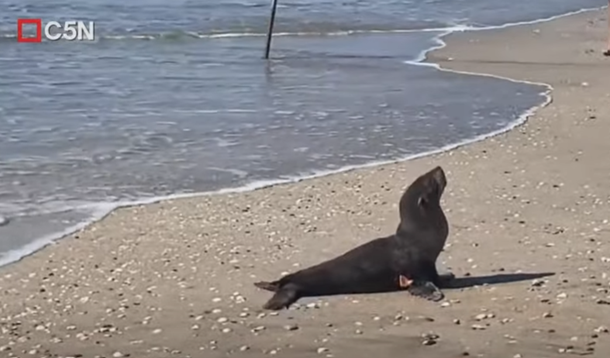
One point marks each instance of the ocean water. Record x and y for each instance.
(174, 98)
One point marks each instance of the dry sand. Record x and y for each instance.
(174, 279)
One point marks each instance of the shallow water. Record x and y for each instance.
(186, 104)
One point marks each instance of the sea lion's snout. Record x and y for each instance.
(434, 183)
(438, 174)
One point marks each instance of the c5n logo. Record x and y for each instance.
(71, 30)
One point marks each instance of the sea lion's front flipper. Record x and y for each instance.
(269, 286)
(425, 289)
(283, 297)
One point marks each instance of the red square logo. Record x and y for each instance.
(37, 22)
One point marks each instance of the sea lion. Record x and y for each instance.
(405, 260)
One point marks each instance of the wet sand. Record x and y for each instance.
(174, 279)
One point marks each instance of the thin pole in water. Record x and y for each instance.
(270, 30)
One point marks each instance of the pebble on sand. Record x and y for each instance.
(291, 327)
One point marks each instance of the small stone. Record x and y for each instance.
(517, 356)
(291, 327)
(456, 321)
(244, 348)
(322, 350)
(562, 295)
(601, 329)
(216, 299)
(3, 220)
(478, 327)
(222, 320)
(157, 331)
(480, 316)
(537, 283)
(117, 355)
(547, 315)
(429, 342)
(312, 305)
(226, 330)
(81, 336)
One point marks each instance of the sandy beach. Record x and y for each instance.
(174, 279)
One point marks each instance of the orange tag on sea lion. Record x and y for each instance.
(404, 282)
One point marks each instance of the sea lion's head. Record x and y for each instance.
(420, 205)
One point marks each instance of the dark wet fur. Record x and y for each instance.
(376, 265)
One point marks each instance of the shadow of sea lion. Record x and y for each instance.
(451, 283)
(465, 282)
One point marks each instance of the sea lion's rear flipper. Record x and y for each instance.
(283, 298)
(426, 289)
(269, 286)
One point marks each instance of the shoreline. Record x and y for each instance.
(175, 277)
(102, 210)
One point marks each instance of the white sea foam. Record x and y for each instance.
(100, 210)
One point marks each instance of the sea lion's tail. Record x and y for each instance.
(269, 286)
(282, 298)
